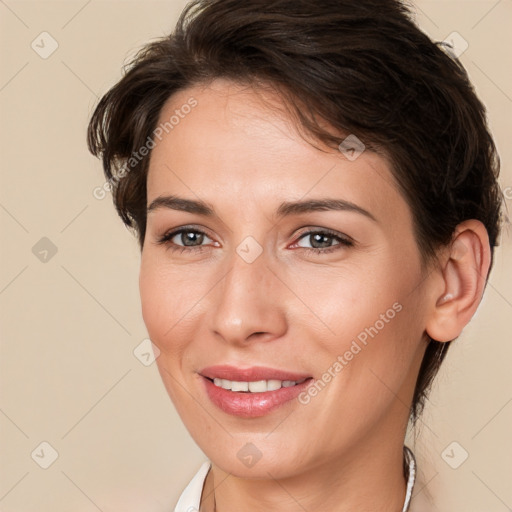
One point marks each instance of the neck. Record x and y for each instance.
(367, 477)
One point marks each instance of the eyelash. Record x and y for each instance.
(343, 242)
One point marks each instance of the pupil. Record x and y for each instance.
(190, 236)
(317, 238)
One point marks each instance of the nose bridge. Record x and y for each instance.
(246, 300)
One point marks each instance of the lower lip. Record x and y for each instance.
(252, 405)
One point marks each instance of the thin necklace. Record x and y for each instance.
(410, 462)
(411, 478)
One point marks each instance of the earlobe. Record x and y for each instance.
(464, 273)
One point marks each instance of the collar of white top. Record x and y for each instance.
(191, 497)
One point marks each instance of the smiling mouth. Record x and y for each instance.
(254, 398)
(258, 386)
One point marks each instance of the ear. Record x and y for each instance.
(464, 272)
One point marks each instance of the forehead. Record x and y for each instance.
(240, 142)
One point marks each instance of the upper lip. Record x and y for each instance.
(251, 374)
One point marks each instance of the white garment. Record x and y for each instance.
(191, 497)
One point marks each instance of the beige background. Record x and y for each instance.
(69, 325)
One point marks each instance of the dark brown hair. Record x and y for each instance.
(363, 66)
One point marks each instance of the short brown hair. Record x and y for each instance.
(363, 66)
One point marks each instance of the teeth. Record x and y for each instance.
(239, 386)
(259, 386)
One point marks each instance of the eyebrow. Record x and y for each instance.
(312, 205)
(181, 204)
(285, 209)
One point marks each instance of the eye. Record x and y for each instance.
(321, 241)
(189, 239)
(184, 239)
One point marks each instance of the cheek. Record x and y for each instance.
(164, 310)
(367, 312)
(348, 300)
(153, 299)
(164, 301)
(173, 301)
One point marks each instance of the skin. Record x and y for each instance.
(292, 309)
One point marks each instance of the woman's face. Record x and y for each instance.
(260, 277)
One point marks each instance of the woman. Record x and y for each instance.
(314, 190)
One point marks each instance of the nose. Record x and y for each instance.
(249, 303)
